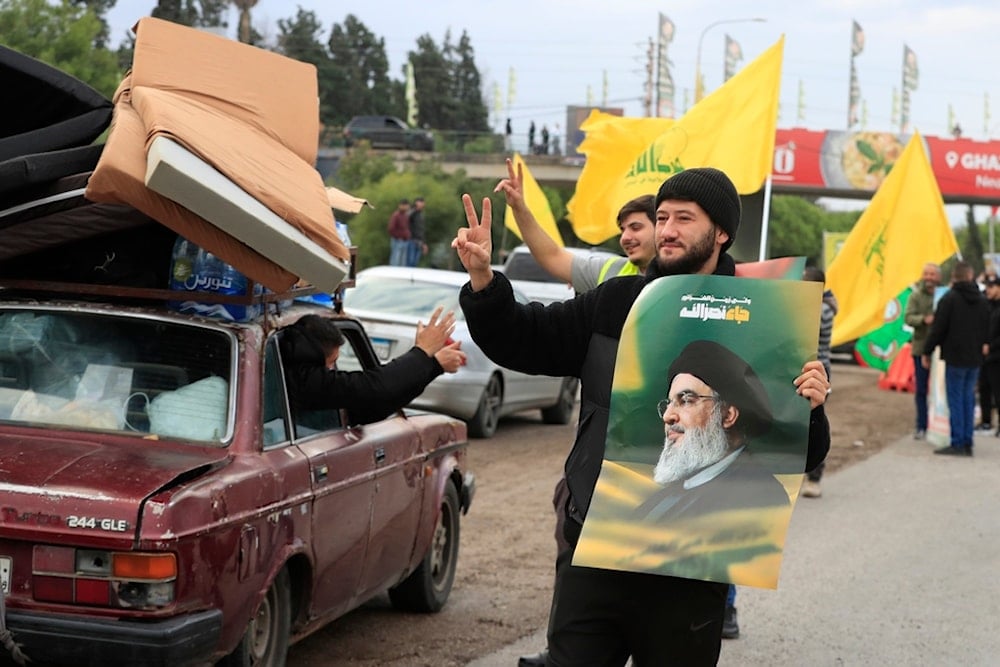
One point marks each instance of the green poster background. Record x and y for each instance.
(773, 325)
(778, 338)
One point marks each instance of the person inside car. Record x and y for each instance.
(309, 351)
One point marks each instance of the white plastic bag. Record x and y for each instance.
(194, 412)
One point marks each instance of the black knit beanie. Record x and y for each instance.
(712, 190)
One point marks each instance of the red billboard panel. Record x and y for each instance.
(964, 167)
(857, 162)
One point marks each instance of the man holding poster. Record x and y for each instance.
(602, 616)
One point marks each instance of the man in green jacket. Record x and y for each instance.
(920, 315)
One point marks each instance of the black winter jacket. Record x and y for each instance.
(961, 326)
(994, 337)
(579, 338)
(368, 396)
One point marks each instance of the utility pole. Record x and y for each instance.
(647, 100)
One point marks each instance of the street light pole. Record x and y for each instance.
(698, 87)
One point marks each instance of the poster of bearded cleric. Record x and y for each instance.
(707, 436)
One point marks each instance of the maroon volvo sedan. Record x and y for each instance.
(162, 504)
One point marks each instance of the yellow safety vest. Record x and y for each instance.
(629, 269)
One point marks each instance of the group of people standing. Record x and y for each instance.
(965, 325)
(407, 239)
(548, 143)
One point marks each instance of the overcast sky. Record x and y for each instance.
(558, 49)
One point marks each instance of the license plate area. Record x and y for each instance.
(6, 564)
(382, 347)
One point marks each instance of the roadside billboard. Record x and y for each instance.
(848, 163)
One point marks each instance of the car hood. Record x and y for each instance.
(46, 482)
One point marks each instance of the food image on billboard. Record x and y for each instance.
(859, 160)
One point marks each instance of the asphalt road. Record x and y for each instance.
(894, 565)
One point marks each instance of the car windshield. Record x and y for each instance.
(112, 373)
(522, 266)
(400, 296)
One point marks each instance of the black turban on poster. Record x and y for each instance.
(731, 377)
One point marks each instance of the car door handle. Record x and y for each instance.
(320, 473)
(379, 456)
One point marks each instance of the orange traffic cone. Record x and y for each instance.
(900, 376)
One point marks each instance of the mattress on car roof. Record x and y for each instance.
(53, 110)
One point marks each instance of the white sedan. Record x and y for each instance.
(389, 300)
(527, 275)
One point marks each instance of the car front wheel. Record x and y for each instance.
(484, 423)
(265, 641)
(428, 587)
(562, 412)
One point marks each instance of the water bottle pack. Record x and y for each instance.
(194, 269)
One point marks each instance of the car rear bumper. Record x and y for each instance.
(65, 639)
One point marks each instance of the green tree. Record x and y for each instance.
(194, 13)
(63, 35)
(358, 81)
(432, 74)
(213, 13)
(449, 88)
(184, 12)
(377, 180)
(299, 38)
(360, 168)
(471, 115)
(796, 227)
(100, 9)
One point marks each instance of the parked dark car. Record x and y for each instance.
(387, 132)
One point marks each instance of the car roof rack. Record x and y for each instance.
(29, 287)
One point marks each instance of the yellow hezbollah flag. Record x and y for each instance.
(732, 129)
(536, 202)
(904, 227)
(610, 144)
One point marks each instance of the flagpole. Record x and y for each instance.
(766, 211)
(503, 241)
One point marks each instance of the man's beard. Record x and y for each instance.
(699, 448)
(692, 260)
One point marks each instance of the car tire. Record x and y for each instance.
(484, 423)
(562, 412)
(265, 641)
(427, 588)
